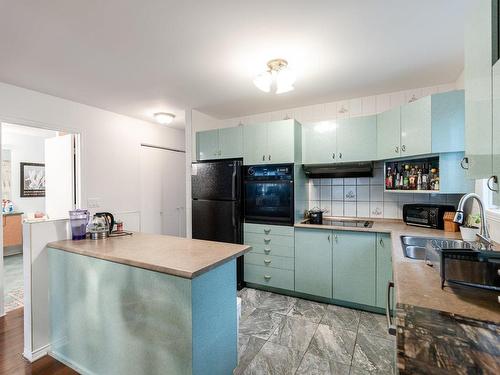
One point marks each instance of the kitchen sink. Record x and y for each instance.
(418, 247)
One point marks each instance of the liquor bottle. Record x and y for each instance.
(397, 177)
(388, 179)
(406, 177)
(419, 180)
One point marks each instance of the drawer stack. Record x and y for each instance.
(271, 260)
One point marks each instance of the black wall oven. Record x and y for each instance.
(268, 194)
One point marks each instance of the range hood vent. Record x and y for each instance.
(339, 170)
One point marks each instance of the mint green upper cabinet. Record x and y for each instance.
(254, 144)
(222, 143)
(313, 262)
(281, 141)
(207, 145)
(271, 143)
(231, 142)
(448, 119)
(319, 142)
(416, 127)
(389, 134)
(384, 267)
(478, 89)
(453, 178)
(357, 139)
(354, 267)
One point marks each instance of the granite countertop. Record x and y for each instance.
(167, 254)
(417, 284)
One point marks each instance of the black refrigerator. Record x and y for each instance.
(217, 213)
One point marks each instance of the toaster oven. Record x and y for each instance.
(426, 215)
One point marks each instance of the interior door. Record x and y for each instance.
(59, 176)
(163, 191)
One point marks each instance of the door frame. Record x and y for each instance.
(77, 191)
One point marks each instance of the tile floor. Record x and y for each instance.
(13, 279)
(284, 335)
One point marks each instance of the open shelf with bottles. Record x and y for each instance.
(412, 175)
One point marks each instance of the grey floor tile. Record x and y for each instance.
(294, 333)
(341, 318)
(373, 324)
(333, 343)
(374, 354)
(274, 359)
(309, 310)
(13, 273)
(250, 300)
(359, 371)
(248, 347)
(278, 303)
(315, 365)
(260, 323)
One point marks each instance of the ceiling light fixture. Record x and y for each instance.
(164, 118)
(278, 77)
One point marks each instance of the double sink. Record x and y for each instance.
(420, 247)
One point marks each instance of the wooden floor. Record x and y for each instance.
(11, 348)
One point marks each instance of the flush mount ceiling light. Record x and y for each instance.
(164, 118)
(278, 77)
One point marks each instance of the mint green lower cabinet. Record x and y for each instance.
(268, 276)
(354, 267)
(384, 267)
(284, 263)
(313, 262)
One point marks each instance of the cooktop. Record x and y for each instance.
(348, 223)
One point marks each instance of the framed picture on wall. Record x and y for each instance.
(32, 180)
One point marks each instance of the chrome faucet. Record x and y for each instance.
(484, 235)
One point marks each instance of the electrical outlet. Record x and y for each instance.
(93, 202)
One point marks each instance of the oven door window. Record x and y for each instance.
(269, 202)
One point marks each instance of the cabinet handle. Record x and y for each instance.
(495, 181)
(396, 150)
(263, 157)
(267, 250)
(333, 155)
(269, 157)
(336, 238)
(464, 163)
(403, 148)
(267, 277)
(391, 328)
(267, 261)
(329, 238)
(381, 242)
(267, 230)
(340, 155)
(267, 240)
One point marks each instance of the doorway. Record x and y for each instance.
(38, 184)
(163, 191)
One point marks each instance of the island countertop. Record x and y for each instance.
(166, 254)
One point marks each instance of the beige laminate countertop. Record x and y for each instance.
(418, 284)
(167, 254)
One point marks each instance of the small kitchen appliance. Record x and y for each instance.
(79, 220)
(315, 216)
(425, 215)
(101, 226)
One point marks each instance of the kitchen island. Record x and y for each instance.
(144, 304)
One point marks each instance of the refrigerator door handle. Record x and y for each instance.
(233, 182)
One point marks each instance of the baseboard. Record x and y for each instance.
(61, 358)
(37, 354)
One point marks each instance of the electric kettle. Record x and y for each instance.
(102, 225)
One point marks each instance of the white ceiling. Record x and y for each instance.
(137, 57)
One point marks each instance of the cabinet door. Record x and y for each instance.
(478, 89)
(255, 144)
(452, 177)
(354, 267)
(448, 111)
(496, 129)
(357, 139)
(313, 262)
(416, 127)
(281, 141)
(231, 142)
(319, 142)
(384, 267)
(389, 134)
(207, 145)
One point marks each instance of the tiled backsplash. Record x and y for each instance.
(365, 197)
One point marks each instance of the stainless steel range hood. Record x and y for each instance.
(339, 170)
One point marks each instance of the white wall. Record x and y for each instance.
(24, 148)
(110, 145)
